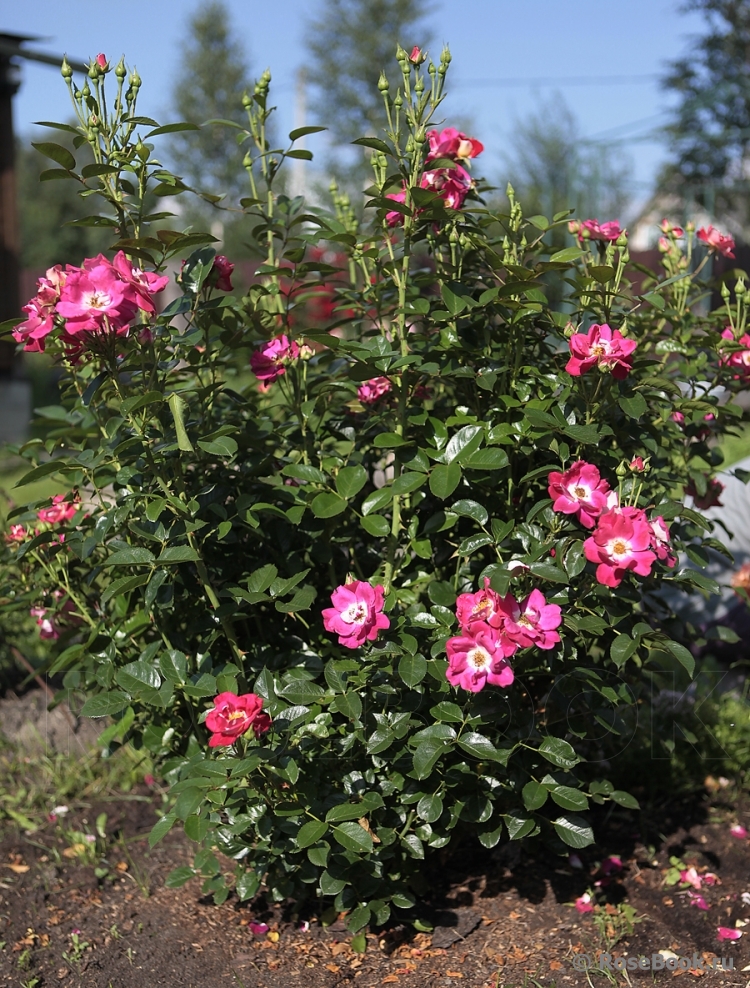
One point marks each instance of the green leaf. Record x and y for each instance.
(426, 755)
(518, 824)
(178, 406)
(57, 153)
(430, 808)
(559, 752)
(625, 799)
(471, 509)
(479, 746)
(566, 255)
(490, 458)
(302, 691)
(161, 829)
(303, 471)
(177, 878)
(188, 802)
(123, 585)
(358, 918)
(683, 656)
(534, 795)
(137, 674)
(375, 143)
(352, 837)
(104, 704)
(261, 579)
(377, 500)
(622, 648)
(178, 554)
(359, 942)
(327, 505)
(465, 441)
(412, 669)
(172, 128)
(574, 831)
(635, 406)
(247, 885)
(345, 811)
(408, 482)
(54, 175)
(311, 833)
(221, 446)
(474, 542)
(444, 479)
(376, 525)
(330, 885)
(569, 798)
(134, 556)
(301, 600)
(350, 481)
(173, 666)
(388, 440)
(196, 828)
(448, 712)
(298, 132)
(348, 704)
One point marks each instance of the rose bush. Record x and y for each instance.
(491, 494)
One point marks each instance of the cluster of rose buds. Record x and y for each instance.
(624, 539)
(53, 621)
(269, 361)
(601, 347)
(61, 510)
(100, 297)
(607, 232)
(452, 183)
(493, 628)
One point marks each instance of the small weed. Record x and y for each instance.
(615, 922)
(24, 959)
(114, 932)
(31, 983)
(78, 948)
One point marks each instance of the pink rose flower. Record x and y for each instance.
(451, 184)
(620, 543)
(221, 271)
(53, 621)
(269, 360)
(678, 417)
(738, 831)
(61, 510)
(374, 389)
(637, 465)
(660, 541)
(579, 491)
(727, 933)
(479, 657)
(95, 298)
(16, 533)
(483, 606)
(357, 613)
(532, 622)
(143, 284)
(415, 56)
(149, 780)
(609, 231)
(101, 60)
(710, 499)
(721, 242)
(452, 143)
(394, 217)
(739, 360)
(602, 347)
(233, 716)
(584, 903)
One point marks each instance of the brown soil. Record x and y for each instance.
(501, 917)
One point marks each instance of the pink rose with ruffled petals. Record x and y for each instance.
(374, 389)
(479, 657)
(738, 360)
(393, 217)
(233, 716)
(660, 541)
(603, 347)
(60, 510)
(143, 284)
(580, 491)
(357, 613)
(39, 323)
(620, 543)
(451, 184)
(584, 904)
(721, 242)
(452, 143)
(221, 271)
(95, 298)
(532, 622)
(609, 231)
(268, 361)
(484, 606)
(16, 533)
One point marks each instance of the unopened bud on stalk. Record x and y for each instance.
(120, 70)
(142, 151)
(247, 161)
(65, 70)
(454, 236)
(333, 187)
(410, 145)
(247, 100)
(383, 83)
(135, 80)
(689, 226)
(725, 292)
(401, 55)
(417, 56)
(739, 288)
(445, 57)
(622, 240)
(399, 100)
(569, 330)
(419, 86)
(85, 92)
(622, 468)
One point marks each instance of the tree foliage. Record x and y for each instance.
(212, 80)
(710, 133)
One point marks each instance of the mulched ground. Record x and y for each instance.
(502, 918)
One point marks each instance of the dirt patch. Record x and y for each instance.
(27, 722)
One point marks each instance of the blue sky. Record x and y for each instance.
(490, 40)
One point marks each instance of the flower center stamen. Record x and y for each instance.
(479, 658)
(355, 614)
